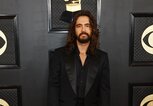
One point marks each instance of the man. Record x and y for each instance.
(79, 74)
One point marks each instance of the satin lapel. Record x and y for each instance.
(71, 70)
(92, 72)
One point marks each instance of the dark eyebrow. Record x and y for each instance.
(78, 24)
(87, 24)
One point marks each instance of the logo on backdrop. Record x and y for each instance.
(147, 101)
(3, 43)
(3, 103)
(73, 5)
(147, 39)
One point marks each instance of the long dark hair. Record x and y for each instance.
(71, 38)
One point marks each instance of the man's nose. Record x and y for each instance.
(83, 28)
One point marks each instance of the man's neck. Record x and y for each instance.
(83, 47)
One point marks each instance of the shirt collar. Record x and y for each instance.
(78, 52)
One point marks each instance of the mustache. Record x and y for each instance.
(83, 33)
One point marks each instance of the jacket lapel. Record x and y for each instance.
(71, 70)
(92, 67)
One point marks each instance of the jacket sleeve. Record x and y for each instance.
(105, 83)
(53, 82)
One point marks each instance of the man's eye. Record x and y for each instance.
(77, 26)
(88, 26)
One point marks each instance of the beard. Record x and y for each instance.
(84, 37)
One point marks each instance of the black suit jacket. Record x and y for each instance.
(62, 80)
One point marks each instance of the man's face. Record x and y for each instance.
(83, 29)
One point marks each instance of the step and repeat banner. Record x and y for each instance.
(141, 40)
(141, 54)
(9, 48)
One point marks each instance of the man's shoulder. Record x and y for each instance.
(101, 55)
(60, 50)
(101, 52)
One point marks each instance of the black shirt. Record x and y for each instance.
(81, 71)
